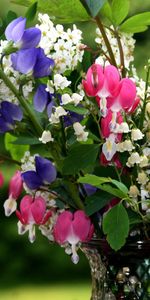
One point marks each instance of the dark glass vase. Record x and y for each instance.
(124, 274)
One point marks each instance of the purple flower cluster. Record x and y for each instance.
(28, 59)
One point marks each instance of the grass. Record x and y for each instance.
(55, 292)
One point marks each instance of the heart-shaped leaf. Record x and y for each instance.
(116, 226)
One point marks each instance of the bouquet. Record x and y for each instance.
(79, 120)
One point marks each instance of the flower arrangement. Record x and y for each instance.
(80, 119)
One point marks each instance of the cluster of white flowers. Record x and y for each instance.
(80, 133)
(74, 99)
(128, 44)
(55, 117)
(63, 46)
(14, 76)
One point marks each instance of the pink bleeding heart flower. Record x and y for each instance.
(134, 106)
(15, 190)
(73, 228)
(32, 211)
(102, 84)
(1, 180)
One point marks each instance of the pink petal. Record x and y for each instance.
(47, 216)
(63, 227)
(81, 225)
(25, 208)
(127, 93)
(38, 209)
(105, 128)
(16, 185)
(134, 106)
(112, 78)
(94, 80)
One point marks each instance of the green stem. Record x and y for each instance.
(145, 99)
(123, 70)
(22, 101)
(106, 40)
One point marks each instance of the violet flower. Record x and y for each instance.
(43, 99)
(45, 173)
(33, 61)
(23, 38)
(9, 113)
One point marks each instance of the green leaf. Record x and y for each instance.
(26, 140)
(80, 157)
(104, 183)
(93, 180)
(77, 109)
(134, 218)
(17, 152)
(136, 23)
(66, 11)
(97, 201)
(31, 12)
(120, 9)
(116, 226)
(93, 6)
(106, 11)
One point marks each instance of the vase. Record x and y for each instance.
(124, 274)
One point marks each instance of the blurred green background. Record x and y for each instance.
(31, 271)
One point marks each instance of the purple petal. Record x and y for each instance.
(71, 118)
(4, 125)
(31, 179)
(43, 64)
(45, 169)
(15, 29)
(90, 190)
(49, 108)
(11, 111)
(40, 99)
(24, 60)
(31, 38)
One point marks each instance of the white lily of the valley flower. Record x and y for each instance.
(136, 134)
(59, 112)
(46, 137)
(144, 161)
(76, 98)
(123, 128)
(133, 159)
(133, 191)
(142, 178)
(60, 82)
(79, 132)
(65, 98)
(109, 147)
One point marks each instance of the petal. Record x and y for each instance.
(45, 169)
(109, 149)
(32, 233)
(90, 190)
(127, 93)
(5, 126)
(25, 208)
(38, 209)
(81, 225)
(32, 180)
(30, 38)
(14, 31)
(15, 185)
(24, 60)
(63, 226)
(10, 206)
(112, 78)
(105, 122)
(21, 227)
(1, 180)
(43, 64)
(50, 108)
(94, 80)
(11, 111)
(41, 97)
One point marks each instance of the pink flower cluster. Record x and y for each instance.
(69, 228)
(115, 96)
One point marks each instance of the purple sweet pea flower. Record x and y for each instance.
(9, 113)
(23, 38)
(43, 99)
(90, 190)
(45, 173)
(32, 60)
(71, 118)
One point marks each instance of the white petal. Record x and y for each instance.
(109, 149)
(10, 206)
